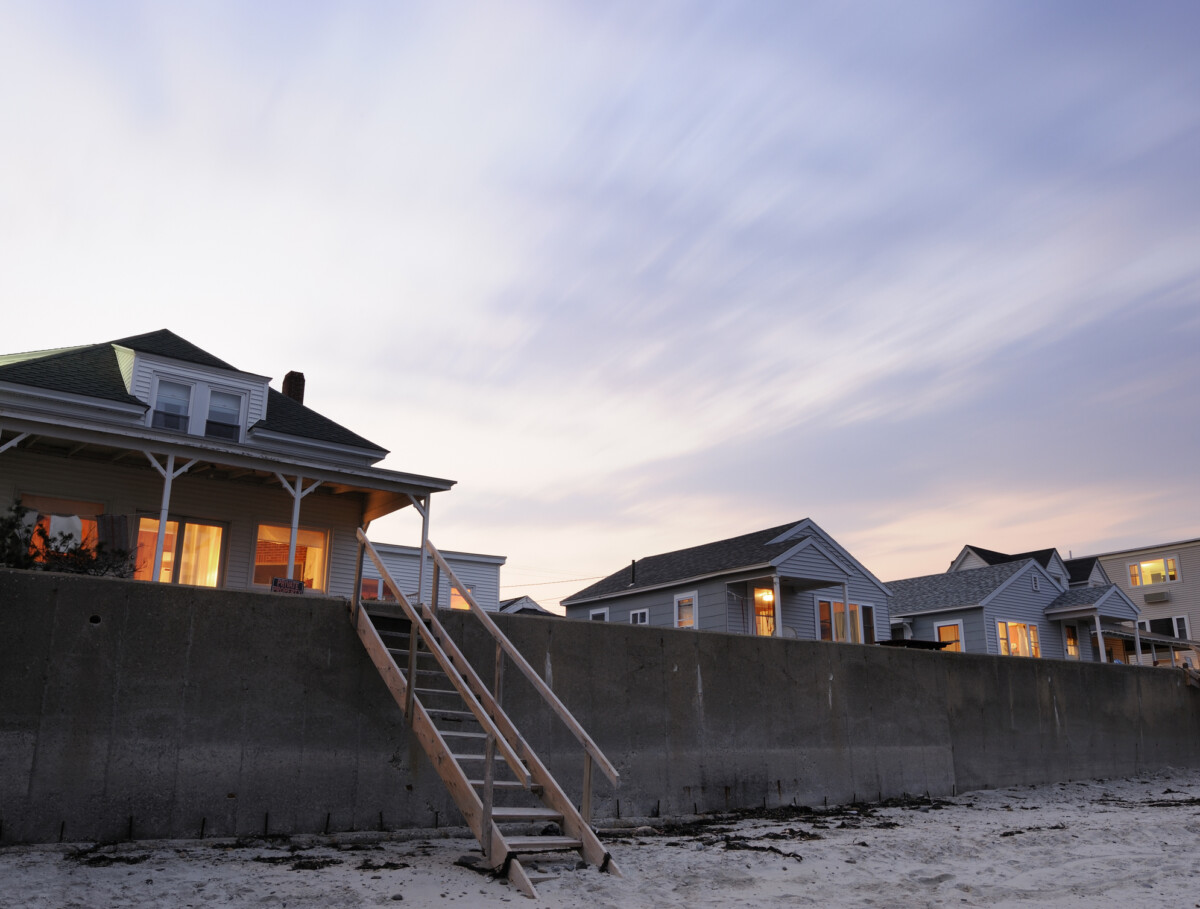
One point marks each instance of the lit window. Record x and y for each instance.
(833, 622)
(639, 617)
(1072, 641)
(171, 406)
(685, 610)
(1153, 571)
(60, 518)
(224, 416)
(191, 552)
(950, 633)
(764, 611)
(457, 600)
(370, 589)
(1018, 639)
(271, 555)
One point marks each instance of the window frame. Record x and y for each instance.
(324, 531)
(643, 612)
(1070, 628)
(1144, 624)
(598, 614)
(152, 416)
(956, 623)
(1136, 566)
(240, 425)
(1032, 639)
(181, 537)
(858, 619)
(694, 596)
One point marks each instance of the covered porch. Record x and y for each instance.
(205, 514)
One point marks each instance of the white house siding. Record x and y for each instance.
(147, 367)
(403, 564)
(1019, 602)
(239, 507)
(1184, 593)
(970, 560)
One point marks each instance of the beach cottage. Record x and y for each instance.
(213, 477)
(793, 580)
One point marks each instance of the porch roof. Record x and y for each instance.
(384, 490)
(1109, 602)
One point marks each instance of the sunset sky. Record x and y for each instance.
(644, 275)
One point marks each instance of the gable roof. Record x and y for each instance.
(1081, 569)
(745, 551)
(93, 371)
(1041, 556)
(953, 589)
(1114, 602)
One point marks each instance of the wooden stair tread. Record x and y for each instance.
(462, 735)
(541, 843)
(450, 714)
(504, 813)
(508, 784)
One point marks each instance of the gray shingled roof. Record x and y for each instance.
(1080, 596)
(949, 590)
(709, 558)
(1041, 556)
(292, 418)
(1080, 569)
(90, 371)
(93, 371)
(166, 343)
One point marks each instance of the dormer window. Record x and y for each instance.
(172, 405)
(224, 416)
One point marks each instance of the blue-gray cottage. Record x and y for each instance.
(787, 581)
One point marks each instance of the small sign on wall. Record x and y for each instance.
(287, 585)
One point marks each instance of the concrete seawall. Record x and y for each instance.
(135, 709)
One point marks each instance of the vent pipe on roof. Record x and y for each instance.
(293, 386)
(632, 572)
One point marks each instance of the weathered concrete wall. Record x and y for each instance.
(240, 712)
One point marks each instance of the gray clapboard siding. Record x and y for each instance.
(812, 563)
(479, 573)
(974, 640)
(1018, 602)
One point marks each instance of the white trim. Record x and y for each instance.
(644, 613)
(858, 612)
(1028, 637)
(958, 623)
(598, 615)
(694, 596)
(1141, 585)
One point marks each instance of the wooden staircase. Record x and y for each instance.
(489, 769)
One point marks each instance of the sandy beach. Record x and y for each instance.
(1132, 842)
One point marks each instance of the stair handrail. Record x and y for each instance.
(418, 627)
(547, 693)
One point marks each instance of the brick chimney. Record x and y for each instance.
(293, 386)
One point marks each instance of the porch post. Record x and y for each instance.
(846, 612)
(298, 492)
(422, 508)
(778, 608)
(1100, 638)
(1173, 663)
(1153, 654)
(168, 474)
(1137, 641)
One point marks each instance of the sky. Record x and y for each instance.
(640, 276)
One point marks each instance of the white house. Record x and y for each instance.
(216, 478)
